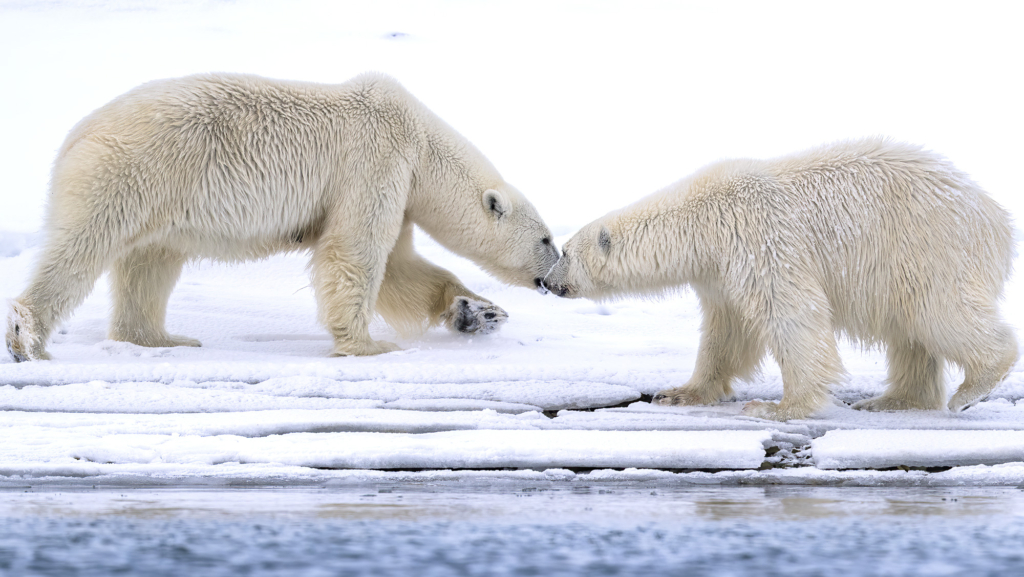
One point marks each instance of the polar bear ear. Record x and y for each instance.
(496, 203)
(604, 240)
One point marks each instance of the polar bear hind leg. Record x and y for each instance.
(68, 267)
(141, 283)
(971, 336)
(915, 379)
(991, 355)
(416, 294)
(726, 351)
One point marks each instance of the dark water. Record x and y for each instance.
(450, 530)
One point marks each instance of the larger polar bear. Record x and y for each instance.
(883, 241)
(237, 167)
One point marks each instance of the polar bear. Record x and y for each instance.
(238, 167)
(879, 240)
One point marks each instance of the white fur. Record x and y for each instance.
(882, 241)
(235, 167)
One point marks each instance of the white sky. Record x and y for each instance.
(584, 106)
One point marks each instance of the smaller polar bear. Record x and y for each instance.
(882, 241)
(236, 167)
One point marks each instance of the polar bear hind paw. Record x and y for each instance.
(163, 341)
(366, 349)
(959, 403)
(470, 316)
(763, 410)
(22, 342)
(774, 411)
(685, 395)
(884, 403)
(18, 356)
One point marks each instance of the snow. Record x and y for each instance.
(916, 448)
(585, 108)
(309, 392)
(271, 422)
(451, 449)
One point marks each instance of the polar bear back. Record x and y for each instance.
(889, 231)
(237, 166)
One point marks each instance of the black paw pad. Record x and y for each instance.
(465, 320)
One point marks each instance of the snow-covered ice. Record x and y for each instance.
(482, 449)
(311, 393)
(585, 107)
(916, 448)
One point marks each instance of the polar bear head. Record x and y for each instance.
(645, 249)
(651, 247)
(583, 269)
(518, 247)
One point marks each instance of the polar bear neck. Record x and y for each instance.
(448, 184)
(655, 243)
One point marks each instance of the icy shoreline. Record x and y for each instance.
(92, 476)
(492, 527)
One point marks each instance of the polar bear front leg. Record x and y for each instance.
(416, 294)
(726, 351)
(346, 280)
(802, 340)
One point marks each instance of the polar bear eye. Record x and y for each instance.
(545, 240)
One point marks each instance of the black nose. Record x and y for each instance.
(539, 282)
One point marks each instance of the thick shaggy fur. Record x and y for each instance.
(235, 167)
(882, 241)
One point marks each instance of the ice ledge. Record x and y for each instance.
(483, 449)
(879, 449)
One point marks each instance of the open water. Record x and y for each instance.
(480, 529)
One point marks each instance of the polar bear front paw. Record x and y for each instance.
(470, 316)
